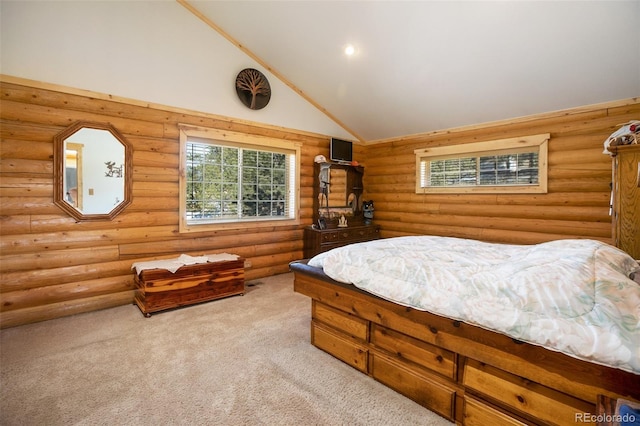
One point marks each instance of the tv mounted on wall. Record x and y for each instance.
(341, 151)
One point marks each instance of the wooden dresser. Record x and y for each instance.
(160, 289)
(319, 240)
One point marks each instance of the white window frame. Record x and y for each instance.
(239, 140)
(532, 143)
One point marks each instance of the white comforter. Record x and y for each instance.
(572, 296)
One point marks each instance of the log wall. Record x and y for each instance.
(576, 205)
(52, 266)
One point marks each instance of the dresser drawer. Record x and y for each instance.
(344, 349)
(524, 396)
(349, 324)
(349, 234)
(405, 347)
(321, 240)
(426, 390)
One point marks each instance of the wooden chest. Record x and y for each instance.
(160, 289)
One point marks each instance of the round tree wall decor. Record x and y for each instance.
(253, 88)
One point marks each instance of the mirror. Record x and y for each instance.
(340, 190)
(92, 171)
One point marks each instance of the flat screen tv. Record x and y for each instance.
(341, 151)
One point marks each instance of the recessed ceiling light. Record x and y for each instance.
(349, 49)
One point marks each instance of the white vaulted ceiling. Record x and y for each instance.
(422, 66)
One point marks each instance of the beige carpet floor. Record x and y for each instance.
(243, 360)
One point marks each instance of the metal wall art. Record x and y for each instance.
(253, 88)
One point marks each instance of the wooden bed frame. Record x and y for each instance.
(464, 373)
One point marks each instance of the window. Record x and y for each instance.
(230, 180)
(506, 165)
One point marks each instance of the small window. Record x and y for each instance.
(231, 180)
(500, 166)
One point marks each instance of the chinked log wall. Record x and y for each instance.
(52, 266)
(579, 174)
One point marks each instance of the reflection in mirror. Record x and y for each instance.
(339, 192)
(93, 171)
(333, 187)
(338, 188)
(73, 174)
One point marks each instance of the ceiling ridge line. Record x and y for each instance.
(278, 75)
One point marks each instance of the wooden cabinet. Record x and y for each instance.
(626, 198)
(160, 289)
(319, 240)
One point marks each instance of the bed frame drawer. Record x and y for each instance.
(407, 348)
(344, 349)
(425, 389)
(478, 413)
(349, 324)
(523, 396)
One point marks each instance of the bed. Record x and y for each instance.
(483, 333)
